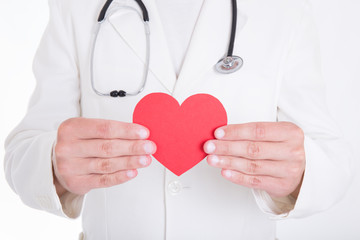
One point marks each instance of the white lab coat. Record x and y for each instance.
(280, 81)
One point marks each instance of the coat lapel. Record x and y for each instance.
(209, 42)
(130, 27)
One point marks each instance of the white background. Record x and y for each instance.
(21, 26)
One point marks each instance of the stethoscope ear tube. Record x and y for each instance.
(108, 3)
(104, 10)
(144, 10)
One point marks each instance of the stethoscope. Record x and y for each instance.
(226, 65)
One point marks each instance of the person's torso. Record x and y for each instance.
(200, 204)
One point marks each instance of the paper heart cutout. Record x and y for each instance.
(180, 131)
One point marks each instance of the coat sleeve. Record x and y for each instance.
(302, 100)
(28, 158)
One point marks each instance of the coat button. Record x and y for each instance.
(174, 187)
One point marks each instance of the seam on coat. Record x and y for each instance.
(283, 62)
(106, 215)
(66, 21)
(165, 210)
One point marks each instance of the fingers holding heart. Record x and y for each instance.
(276, 167)
(84, 183)
(249, 149)
(276, 187)
(251, 167)
(278, 178)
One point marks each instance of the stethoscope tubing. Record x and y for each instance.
(233, 28)
(101, 19)
(228, 64)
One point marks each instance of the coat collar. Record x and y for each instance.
(208, 44)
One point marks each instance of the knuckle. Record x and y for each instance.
(285, 186)
(62, 168)
(71, 183)
(295, 170)
(253, 149)
(254, 182)
(299, 133)
(298, 154)
(106, 148)
(239, 179)
(133, 147)
(301, 157)
(105, 180)
(226, 163)
(252, 167)
(108, 180)
(225, 147)
(296, 132)
(66, 127)
(61, 149)
(136, 146)
(104, 165)
(128, 129)
(250, 181)
(104, 129)
(119, 178)
(259, 131)
(130, 162)
(289, 125)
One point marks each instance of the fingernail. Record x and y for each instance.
(210, 147)
(214, 160)
(219, 133)
(227, 174)
(143, 161)
(130, 173)
(143, 134)
(148, 147)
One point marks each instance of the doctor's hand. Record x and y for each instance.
(266, 156)
(94, 153)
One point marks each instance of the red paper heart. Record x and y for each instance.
(180, 131)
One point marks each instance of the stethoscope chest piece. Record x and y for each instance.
(229, 64)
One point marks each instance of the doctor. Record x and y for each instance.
(280, 156)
